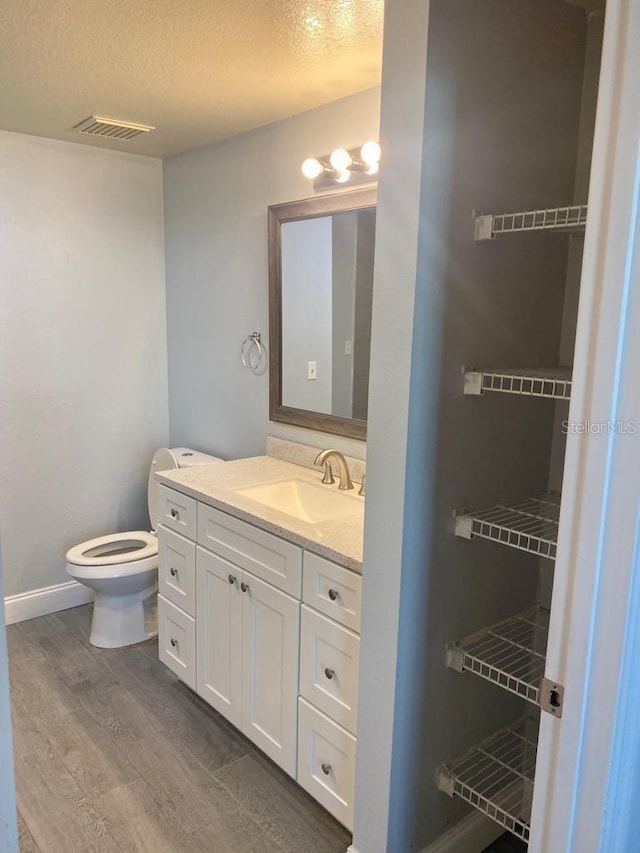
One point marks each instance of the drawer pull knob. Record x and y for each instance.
(333, 594)
(173, 572)
(232, 578)
(326, 769)
(174, 513)
(244, 586)
(173, 642)
(329, 673)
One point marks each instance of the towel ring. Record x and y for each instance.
(252, 352)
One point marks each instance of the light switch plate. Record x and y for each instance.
(312, 370)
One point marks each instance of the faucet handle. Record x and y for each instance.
(361, 489)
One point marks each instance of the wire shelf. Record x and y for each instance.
(510, 654)
(496, 777)
(531, 525)
(553, 383)
(567, 219)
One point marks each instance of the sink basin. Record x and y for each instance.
(303, 500)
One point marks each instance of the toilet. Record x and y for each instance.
(122, 568)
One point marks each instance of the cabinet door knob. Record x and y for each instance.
(244, 586)
(232, 578)
(174, 513)
(329, 673)
(173, 572)
(333, 594)
(326, 769)
(173, 642)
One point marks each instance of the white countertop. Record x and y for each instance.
(339, 540)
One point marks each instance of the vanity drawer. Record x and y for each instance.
(332, 589)
(329, 660)
(177, 641)
(177, 511)
(268, 557)
(177, 569)
(326, 762)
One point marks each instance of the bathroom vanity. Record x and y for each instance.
(259, 611)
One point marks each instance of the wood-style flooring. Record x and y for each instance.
(114, 755)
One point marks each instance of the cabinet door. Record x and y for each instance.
(270, 651)
(219, 634)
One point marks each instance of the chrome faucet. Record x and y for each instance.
(323, 459)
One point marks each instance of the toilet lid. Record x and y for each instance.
(163, 460)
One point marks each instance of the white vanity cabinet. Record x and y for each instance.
(268, 635)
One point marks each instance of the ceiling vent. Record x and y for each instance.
(111, 127)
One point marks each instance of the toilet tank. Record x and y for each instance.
(167, 460)
(187, 458)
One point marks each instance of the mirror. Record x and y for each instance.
(320, 296)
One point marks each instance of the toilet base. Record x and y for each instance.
(123, 620)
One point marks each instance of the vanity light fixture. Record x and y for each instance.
(342, 166)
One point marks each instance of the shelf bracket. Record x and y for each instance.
(445, 782)
(551, 697)
(473, 383)
(483, 227)
(455, 658)
(464, 526)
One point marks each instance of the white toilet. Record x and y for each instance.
(122, 569)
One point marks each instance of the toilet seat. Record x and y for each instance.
(114, 550)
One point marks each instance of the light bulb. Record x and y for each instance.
(372, 169)
(311, 168)
(343, 176)
(370, 153)
(340, 160)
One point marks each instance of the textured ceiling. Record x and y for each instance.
(197, 70)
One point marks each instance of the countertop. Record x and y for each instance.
(339, 540)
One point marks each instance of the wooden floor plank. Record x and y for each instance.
(26, 841)
(60, 817)
(281, 808)
(38, 692)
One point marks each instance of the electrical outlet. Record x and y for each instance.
(312, 370)
(348, 347)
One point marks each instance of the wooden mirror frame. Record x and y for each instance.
(291, 212)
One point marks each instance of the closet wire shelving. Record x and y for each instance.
(530, 525)
(552, 383)
(510, 654)
(571, 219)
(496, 777)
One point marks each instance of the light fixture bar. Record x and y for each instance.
(343, 166)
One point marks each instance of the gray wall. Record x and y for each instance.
(83, 363)
(441, 302)
(216, 203)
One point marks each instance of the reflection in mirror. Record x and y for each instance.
(327, 285)
(320, 297)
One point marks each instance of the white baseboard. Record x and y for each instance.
(49, 599)
(472, 835)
